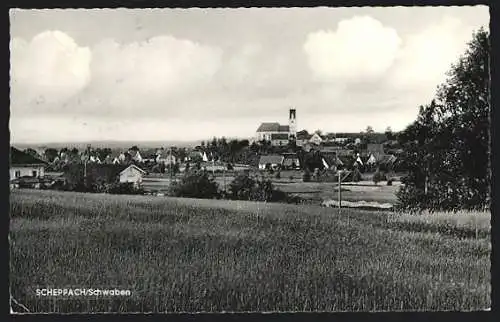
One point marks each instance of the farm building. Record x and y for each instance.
(132, 174)
(23, 164)
(272, 161)
(266, 130)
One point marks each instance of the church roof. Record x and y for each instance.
(269, 127)
(273, 127)
(284, 128)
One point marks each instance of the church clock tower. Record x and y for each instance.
(292, 124)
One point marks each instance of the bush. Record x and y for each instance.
(195, 185)
(245, 188)
(377, 177)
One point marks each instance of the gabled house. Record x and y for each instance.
(375, 149)
(132, 174)
(316, 139)
(272, 161)
(24, 165)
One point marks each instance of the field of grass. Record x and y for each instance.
(188, 255)
(315, 191)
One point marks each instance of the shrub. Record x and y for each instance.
(195, 185)
(377, 177)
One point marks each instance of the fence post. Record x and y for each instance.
(340, 190)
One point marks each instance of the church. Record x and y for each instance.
(279, 134)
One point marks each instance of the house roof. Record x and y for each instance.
(272, 158)
(18, 157)
(134, 167)
(303, 136)
(279, 136)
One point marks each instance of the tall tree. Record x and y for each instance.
(447, 147)
(51, 154)
(389, 135)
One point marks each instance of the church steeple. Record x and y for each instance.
(292, 124)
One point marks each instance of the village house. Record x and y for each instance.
(23, 164)
(25, 169)
(272, 161)
(266, 130)
(132, 174)
(375, 149)
(291, 161)
(279, 139)
(316, 139)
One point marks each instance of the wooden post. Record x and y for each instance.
(340, 191)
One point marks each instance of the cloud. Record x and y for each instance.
(48, 69)
(160, 66)
(426, 56)
(360, 48)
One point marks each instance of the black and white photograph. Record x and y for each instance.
(226, 160)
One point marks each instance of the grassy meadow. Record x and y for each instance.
(190, 255)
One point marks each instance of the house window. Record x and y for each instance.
(34, 173)
(17, 174)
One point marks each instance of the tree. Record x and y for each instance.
(134, 148)
(195, 185)
(51, 154)
(31, 152)
(369, 130)
(388, 133)
(447, 147)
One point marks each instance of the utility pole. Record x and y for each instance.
(171, 166)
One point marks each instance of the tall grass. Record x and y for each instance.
(465, 224)
(188, 255)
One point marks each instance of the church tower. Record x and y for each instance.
(292, 124)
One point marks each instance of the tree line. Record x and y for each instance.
(447, 147)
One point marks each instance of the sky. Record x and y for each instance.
(188, 74)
